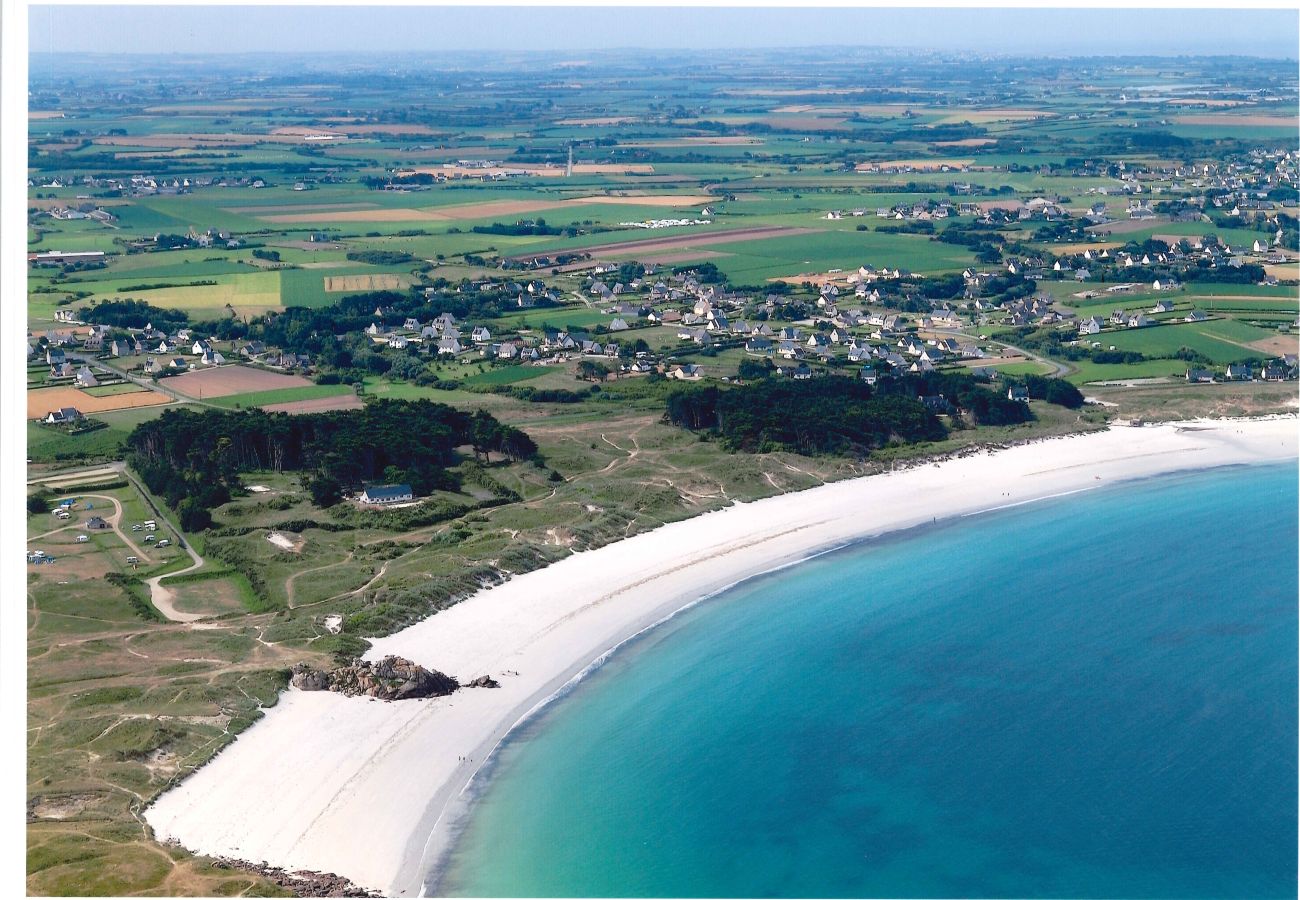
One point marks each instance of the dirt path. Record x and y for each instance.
(162, 597)
(288, 582)
(698, 239)
(115, 522)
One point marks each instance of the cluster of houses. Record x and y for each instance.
(1284, 368)
(163, 352)
(144, 185)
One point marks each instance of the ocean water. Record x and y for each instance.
(1094, 696)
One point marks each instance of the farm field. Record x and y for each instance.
(286, 396)
(240, 295)
(1221, 341)
(42, 400)
(223, 381)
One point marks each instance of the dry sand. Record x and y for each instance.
(357, 787)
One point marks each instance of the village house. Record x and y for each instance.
(380, 494)
(62, 416)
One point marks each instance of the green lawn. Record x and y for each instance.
(1215, 339)
(281, 395)
(510, 374)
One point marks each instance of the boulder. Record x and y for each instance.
(305, 678)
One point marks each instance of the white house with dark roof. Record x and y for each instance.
(387, 493)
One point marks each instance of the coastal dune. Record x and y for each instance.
(368, 790)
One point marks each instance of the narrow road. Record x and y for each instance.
(160, 596)
(1059, 369)
(114, 521)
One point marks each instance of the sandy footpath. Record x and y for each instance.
(357, 787)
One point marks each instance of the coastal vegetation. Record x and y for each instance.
(194, 459)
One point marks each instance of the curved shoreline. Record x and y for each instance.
(373, 791)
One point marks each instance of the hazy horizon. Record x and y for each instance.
(359, 31)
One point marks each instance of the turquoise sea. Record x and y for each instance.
(1094, 696)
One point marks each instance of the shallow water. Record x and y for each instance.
(1091, 697)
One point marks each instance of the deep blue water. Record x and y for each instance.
(1089, 697)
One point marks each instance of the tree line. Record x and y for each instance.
(193, 459)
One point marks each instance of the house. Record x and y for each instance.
(213, 358)
(252, 349)
(1139, 321)
(86, 378)
(1163, 306)
(480, 335)
(1092, 325)
(95, 523)
(119, 348)
(62, 415)
(1274, 371)
(200, 347)
(758, 346)
(1195, 316)
(689, 372)
(387, 493)
(179, 364)
(398, 342)
(1019, 394)
(449, 346)
(1237, 373)
(1200, 376)
(55, 356)
(618, 325)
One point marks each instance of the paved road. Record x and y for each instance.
(1059, 369)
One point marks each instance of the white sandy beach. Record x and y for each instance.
(356, 787)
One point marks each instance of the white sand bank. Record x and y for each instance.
(356, 787)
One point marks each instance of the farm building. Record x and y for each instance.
(96, 523)
(387, 493)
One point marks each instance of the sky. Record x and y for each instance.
(304, 28)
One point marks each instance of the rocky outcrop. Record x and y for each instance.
(392, 678)
(301, 883)
(305, 678)
(486, 681)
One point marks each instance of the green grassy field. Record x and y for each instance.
(281, 395)
(1220, 340)
(509, 375)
